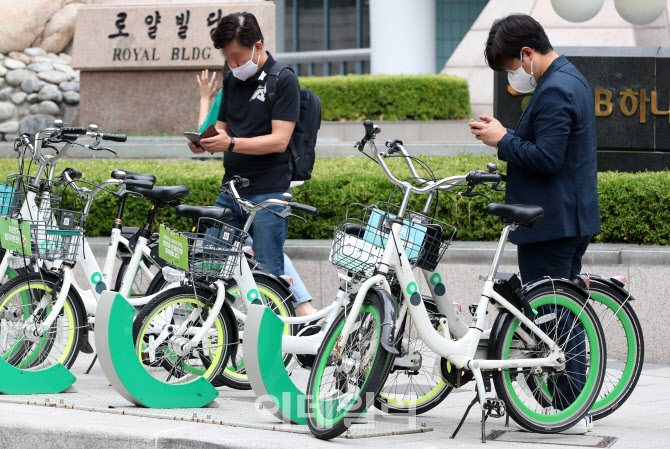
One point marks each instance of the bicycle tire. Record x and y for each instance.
(272, 292)
(427, 400)
(568, 307)
(623, 321)
(329, 417)
(161, 311)
(61, 344)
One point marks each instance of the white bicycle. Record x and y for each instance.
(531, 352)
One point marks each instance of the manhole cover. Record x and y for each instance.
(558, 439)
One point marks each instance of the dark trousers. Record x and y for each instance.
(560, 258)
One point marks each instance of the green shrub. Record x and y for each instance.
(634, 208)
(386, 97)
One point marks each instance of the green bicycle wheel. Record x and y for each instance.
(565, 317)
(274, 295)
(347, 375)
(167, 322)
(415, 390)
(25, 302)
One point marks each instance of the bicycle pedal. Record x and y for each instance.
(495, 407)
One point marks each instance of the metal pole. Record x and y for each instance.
(326, 34)
(359, 34)
(296, 35)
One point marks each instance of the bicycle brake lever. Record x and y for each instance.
(286, 213)
(475, 194)
(94, 148)
(290, 215)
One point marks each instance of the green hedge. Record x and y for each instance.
(635, 208)
(386, 97)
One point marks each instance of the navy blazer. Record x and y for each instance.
(551, 157)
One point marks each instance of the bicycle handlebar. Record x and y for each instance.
(249, 207)
(114, 137)
(310, 210)
(71, 130)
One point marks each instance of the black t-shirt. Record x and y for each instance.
(245, 107)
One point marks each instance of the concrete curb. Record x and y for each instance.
(602, 254)
(175, 148)
(482, 252)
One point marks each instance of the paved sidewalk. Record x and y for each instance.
(643, 422)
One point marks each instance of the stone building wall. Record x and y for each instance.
(36, 88)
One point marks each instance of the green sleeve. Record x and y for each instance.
(213, 114)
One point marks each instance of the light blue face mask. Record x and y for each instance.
(248, 69)
(520, 80)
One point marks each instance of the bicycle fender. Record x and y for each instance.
(614, 285)
(388, 318)
(527, 290)
(284, 283)
(558, 285)
(235, 337)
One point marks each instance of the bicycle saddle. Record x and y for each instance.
(164, 194)
(195, 212)
(521, 214)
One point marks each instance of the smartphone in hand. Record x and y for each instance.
(195, 137)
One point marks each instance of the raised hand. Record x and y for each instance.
(208, 86)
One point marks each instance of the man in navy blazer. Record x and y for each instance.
(551, 155)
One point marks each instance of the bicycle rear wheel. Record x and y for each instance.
(548, 400)
(625, 347)
(415, 390)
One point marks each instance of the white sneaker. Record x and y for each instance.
(583, 425)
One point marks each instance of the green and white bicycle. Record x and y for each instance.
(418, 390)
(530, 349)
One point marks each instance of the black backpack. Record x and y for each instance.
(303, 140)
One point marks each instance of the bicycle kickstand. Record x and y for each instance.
(91, 365)
(465, 415)
(492, 408)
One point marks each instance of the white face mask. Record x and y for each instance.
(248, 69)
(520, 80)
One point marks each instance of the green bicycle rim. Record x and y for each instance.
(630, 359)
(66, 309)
(632, 353)
(595, 358)
(230, 371)
(220, 333)
(328, 422)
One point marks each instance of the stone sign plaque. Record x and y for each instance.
(173, 37)
(631, 98)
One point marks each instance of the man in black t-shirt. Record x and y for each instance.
(253, 135)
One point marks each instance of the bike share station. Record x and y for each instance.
(370, 238)
(281, 405)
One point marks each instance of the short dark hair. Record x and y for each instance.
(509, 35)
(240, 26)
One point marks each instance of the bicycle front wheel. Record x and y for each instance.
(546, 399)
(347, 375)
(168, 322)
(25, 302)
(273, 295)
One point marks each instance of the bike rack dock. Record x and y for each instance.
(235, 408)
